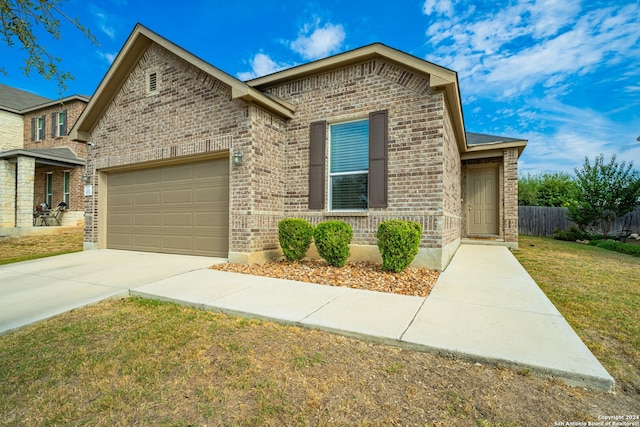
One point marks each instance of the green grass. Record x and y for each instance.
(598, 292)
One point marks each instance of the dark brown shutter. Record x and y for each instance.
(44, 127)
(378, 130)
(54, 122)
(64, 123)
(33, 128)
(317, 141)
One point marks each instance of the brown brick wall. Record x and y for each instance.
(74, 109)
(416, 132)
(511, 195)
(191, 114)
(452, 188)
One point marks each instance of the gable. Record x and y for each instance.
(135, 47)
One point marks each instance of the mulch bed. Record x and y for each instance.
(357, 275)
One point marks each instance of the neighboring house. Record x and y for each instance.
(186, 159)
(38, 161)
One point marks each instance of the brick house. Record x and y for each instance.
(38, 161)
(187, 159)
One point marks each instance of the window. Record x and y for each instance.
(349, 166)
(48, 189)
(357, 168)
(41, 123)
(66, 186)
(59, 124)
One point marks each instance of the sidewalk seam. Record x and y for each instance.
(400, 338)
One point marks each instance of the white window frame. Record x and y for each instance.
(60, 123)
(48, 189)
(66, 187)
(40, 134)
(331, 174)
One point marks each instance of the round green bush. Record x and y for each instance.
(295, 236)
(398, 242)
(332, 241)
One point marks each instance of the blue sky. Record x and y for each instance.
(563, 74)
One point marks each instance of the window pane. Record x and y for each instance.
(349, 191)
(350, 147)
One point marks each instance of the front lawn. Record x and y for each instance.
(139, 362)
(598, 292)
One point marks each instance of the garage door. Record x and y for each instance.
(179, 209)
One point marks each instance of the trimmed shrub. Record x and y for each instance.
(332, 241)
(570, 235)
(398, 242)
(295, 236)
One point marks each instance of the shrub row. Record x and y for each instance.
(612, 245)
(398, 241)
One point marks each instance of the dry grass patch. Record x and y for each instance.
(140, 362)
(16, 249)
(597, 291)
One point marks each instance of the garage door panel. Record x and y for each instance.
(125, 219)
(147, 220)
(175, 209)
(177, 197)
(149, 242)
(146, 176)
(151, 198)
(121, 240)
(118, 200)
(179, 219)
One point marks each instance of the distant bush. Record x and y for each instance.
(295, 235)
(612, 245)
(570, 235)
(332, 241)
(398, 242)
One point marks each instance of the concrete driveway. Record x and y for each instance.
(39, 289)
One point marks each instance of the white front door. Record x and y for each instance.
(482, 210)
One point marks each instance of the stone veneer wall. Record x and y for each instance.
(11, 130)
(7, 194)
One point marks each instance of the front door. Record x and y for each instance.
(482, 213)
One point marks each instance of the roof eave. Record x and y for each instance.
(481, 150)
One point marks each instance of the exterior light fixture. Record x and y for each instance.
(85, 178)
(237, 158)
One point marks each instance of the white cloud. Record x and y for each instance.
(109, 57)
(262, 65)
(316, 42)
(440, 7)
(104, 22)
(532, 41)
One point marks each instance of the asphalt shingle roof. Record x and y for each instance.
(16, 99)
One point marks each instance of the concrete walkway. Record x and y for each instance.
(485, 307)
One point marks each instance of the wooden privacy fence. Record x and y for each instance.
(542, 220)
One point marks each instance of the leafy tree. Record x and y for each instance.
(606, 191)
(528, 190)
(18, 21)
(549, 189)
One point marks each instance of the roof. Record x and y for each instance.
(483, 142)
(16, 100)
(62, 156)
(137, 43)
